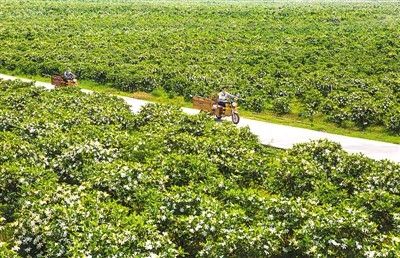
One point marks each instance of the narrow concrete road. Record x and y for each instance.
(282, 136)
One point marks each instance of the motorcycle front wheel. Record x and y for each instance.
(235, 118)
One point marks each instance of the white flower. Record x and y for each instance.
(333, 242)
(153, 255)
(370, 254)
(148, 245)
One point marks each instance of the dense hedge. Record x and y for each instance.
(82, 176)
(340, 61)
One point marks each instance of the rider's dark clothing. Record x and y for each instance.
(222, 103)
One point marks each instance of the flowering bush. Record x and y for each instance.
(393, 123)
(61, 220)
(363, 114)
(298, 66)
(81, 181)
(352, 234)
(281, 105)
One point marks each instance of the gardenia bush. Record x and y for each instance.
(81, 176)
(281, 58)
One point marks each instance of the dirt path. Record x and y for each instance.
(283, 136)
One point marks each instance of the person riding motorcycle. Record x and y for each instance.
(69, 76)
(223, 97)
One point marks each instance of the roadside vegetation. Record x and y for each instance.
(333, 67)
(160, 96)
(81, 175)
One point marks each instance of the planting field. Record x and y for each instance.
(81, 176)
(337, 62)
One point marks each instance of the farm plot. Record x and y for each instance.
(338, 62)
(82, 176)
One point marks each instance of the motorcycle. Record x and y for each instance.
(230, 109)
(59, 81)
(210, 106)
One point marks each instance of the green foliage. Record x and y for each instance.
(62, 220)
(281, 105)
(313, 56)
(363, 113)
(5, 251)
(80, 175)
(393, 123)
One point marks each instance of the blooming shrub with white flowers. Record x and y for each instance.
(81, 176)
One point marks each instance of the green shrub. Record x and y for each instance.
(77, 222)
(281, 105)
(81, 178)
(393, 123)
